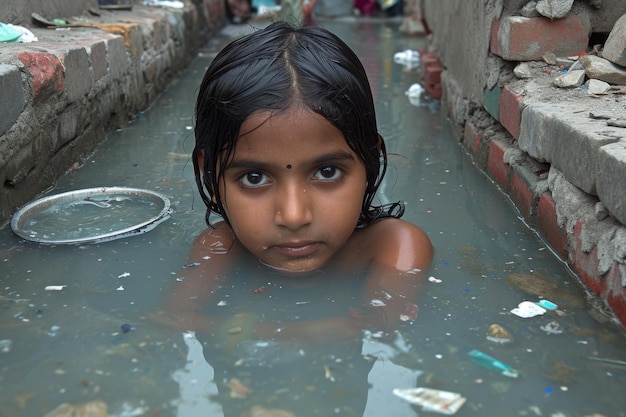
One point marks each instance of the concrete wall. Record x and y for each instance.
(62, 94)
(18, 12)
(565, 173)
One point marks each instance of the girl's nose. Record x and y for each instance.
(293, 207)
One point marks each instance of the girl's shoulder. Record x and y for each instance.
(396, 243)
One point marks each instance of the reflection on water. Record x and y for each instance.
(94, 340)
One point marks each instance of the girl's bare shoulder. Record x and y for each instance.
(218, 237)
(396, 243)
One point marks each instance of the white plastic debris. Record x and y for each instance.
(435, 400)
(175, 4)
(415, 93)
(415, 90)
(527, 309)
(55, 287)
(409, 58)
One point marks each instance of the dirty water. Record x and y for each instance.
(91, 342)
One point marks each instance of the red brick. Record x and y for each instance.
(471, 137)
(585, 264)
(434, 90)
(496, 167)
(47, 73)
(517, 38)
(617, 302)
(510, 111)
(522, 195)
(432, 73)
(548, 226)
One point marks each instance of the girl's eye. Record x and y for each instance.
(254, 179)
(328, 173)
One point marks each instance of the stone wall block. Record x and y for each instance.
(78, 77)
(611, 178)
(117, 56)
(615, 46)
(20, 165)
(98, 54)
(553, 133)
(12, 99)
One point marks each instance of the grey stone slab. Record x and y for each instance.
(78, 78)
(615, 46)
(117, 57)
(11, 96)
(568, 139)
(611, 178)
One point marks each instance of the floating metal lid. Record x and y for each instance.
(91, 215)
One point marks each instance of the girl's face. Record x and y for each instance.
(293, 190)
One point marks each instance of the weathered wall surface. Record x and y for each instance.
(62, 94)
(550, 149)
(18, 12)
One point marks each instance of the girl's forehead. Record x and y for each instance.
(289, 137)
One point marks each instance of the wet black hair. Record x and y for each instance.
(272, 69)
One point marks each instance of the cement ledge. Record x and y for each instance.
(539, 172)
(62, 94)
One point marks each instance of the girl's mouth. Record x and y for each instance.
(297, 249)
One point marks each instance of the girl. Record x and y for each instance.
(288, 156)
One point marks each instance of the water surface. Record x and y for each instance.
(93, 340)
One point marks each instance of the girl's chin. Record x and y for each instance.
(290, 269)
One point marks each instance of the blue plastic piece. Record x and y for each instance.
(492, 363)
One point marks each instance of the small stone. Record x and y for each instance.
(597, 87)
(554, 9)
(603, 70)
(523, 71)
(530, 9)
(601, 211)
(550, 58)
(571, 79)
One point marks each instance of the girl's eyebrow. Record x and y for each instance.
(262, 165)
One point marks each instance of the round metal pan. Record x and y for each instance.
(90, 215)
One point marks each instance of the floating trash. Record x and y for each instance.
(498, 334)
(548, 305)
(90, 409)
(527, 309)
(438, 401)
(410, 312)
(91, 215)
(258, 411)
(125, 328)
(55, 287)
(434, 280)
(5, 345)
(238, 389)
(492, 363)
(409, 58)
(552, 328)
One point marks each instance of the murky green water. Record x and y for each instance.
(93, 340)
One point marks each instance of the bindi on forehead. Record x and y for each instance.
(288, 166)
